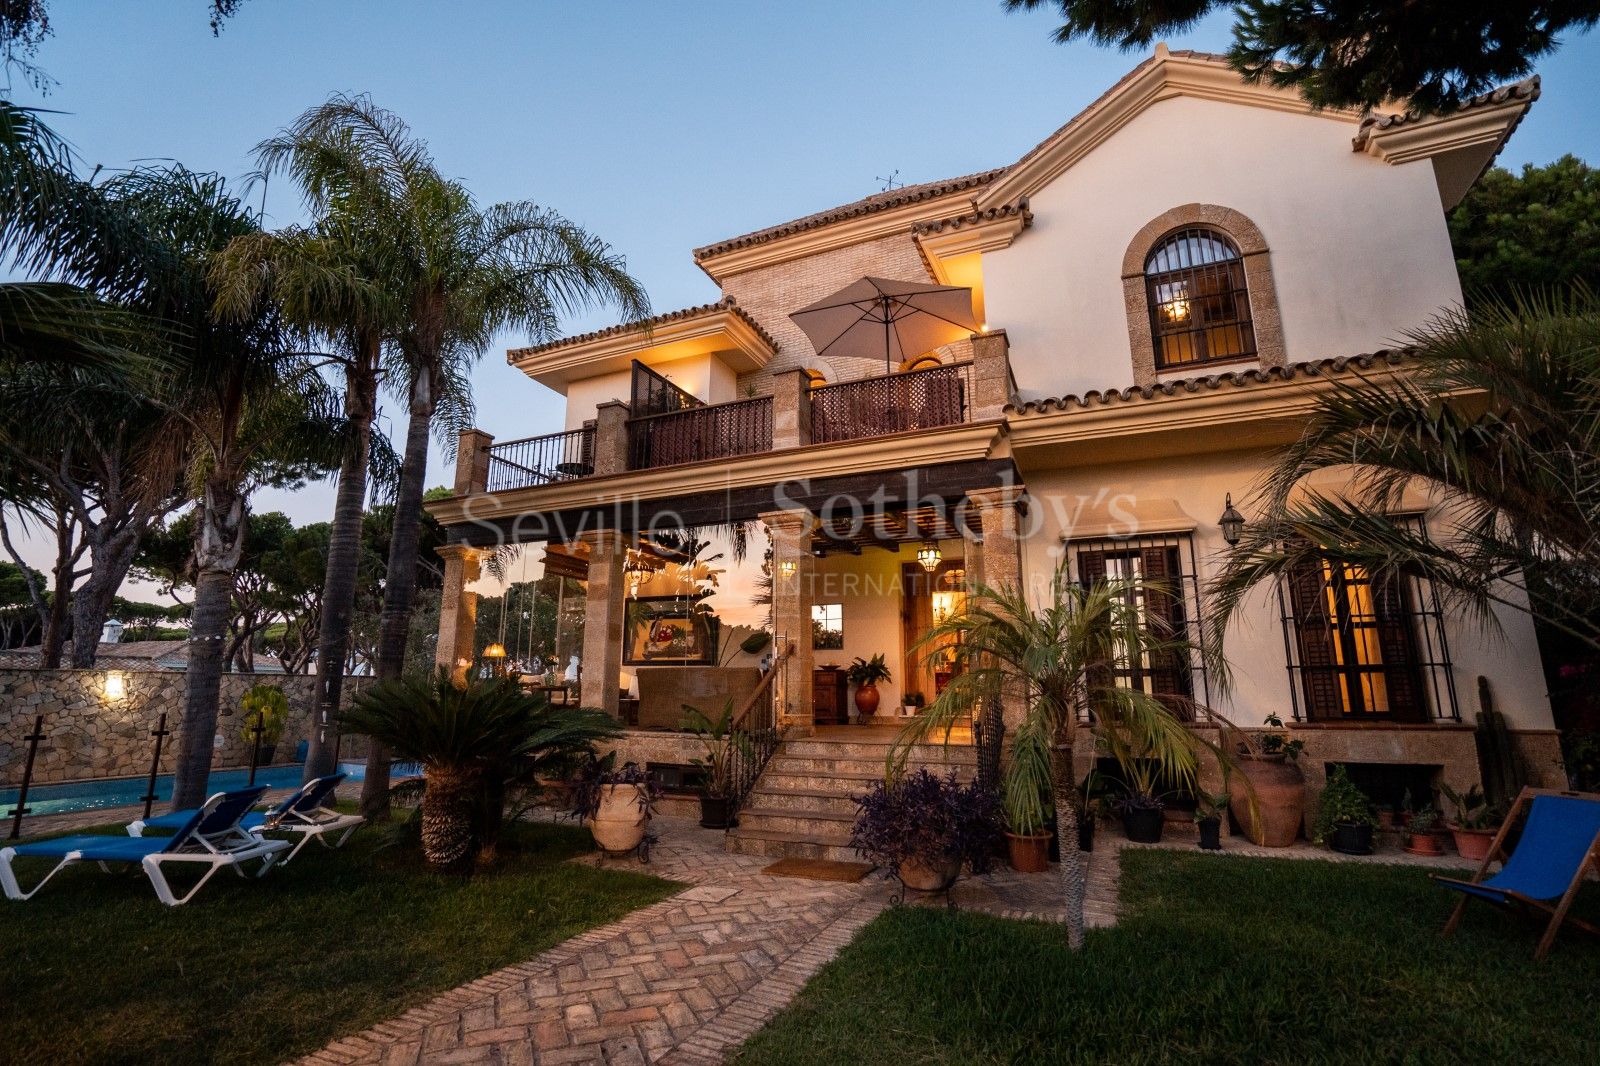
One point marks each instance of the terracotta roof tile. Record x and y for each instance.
(989, 214)
(1315, 368)
(1527, 89)
(727, 303)
(867, 205)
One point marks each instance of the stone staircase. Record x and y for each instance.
(801, 805)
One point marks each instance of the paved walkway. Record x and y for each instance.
(685, 981)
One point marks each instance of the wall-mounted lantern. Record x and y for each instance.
(1231, 522)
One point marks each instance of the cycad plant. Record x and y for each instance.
(1494, 417)
(1061, 657)
(471, 739)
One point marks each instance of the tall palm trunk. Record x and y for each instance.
(219, 541)
(400, 581)
(447, 795)
(1074, 867)
(344, 561)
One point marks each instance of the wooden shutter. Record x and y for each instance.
(1163, 599)
(1391, 605)
(1314, 638)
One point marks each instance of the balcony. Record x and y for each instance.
(716, 431)
(520, 464)
(895, 403)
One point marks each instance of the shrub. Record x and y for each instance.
(927, 819)
(271, 706)
(1342, 804)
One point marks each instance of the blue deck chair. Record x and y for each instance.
(301, 812)
(1560, 845)
(210, 836)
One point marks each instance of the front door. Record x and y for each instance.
(928, 599)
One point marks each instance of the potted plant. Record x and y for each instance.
(1208, 817)
(865, 674)
(1140, 806)
(1421, 835)
(267, 706)
(923, 829)
(616, 804)
(721, 744)
(1346, 817)
(1476, 822)
(1026, 794)
(912, 704)
(1273, 804)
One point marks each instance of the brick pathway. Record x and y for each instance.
(680, 983)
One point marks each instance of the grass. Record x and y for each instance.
(94, 969)
(1215, 960)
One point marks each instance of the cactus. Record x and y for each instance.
(1502, 771)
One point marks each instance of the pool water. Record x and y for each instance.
(123, 791)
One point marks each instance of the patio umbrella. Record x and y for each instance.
(895, 319)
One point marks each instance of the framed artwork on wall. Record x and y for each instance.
(668, 631)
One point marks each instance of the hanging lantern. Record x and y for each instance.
(1231, 522)
(929, 556)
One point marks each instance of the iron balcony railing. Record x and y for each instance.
(518, 464)
(896, 403)
(717, 431)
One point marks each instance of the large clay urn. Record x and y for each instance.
(867, 699)
(619, 824)
(1280, 800)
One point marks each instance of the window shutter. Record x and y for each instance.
(1163, 599)
(1314, 641)
(1389, 602)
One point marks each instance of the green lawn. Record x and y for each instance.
(93, 969)
(1215, 960)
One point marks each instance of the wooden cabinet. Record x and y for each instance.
(829, 691)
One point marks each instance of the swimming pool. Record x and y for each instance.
(122, 791)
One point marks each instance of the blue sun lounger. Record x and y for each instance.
(1560, 845)
(301, 812)
(210, 836)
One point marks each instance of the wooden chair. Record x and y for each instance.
(1559, 847)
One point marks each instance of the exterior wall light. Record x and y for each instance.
(116, 685)
(929, 556)
(1231, 522)
(786, 568)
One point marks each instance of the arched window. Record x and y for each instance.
(921, 362)
(1199, 303)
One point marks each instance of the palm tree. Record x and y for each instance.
(463, 273)
(470, 739)
(1060, 658)
(1496, 418)
(332, 281)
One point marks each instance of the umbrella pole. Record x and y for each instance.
(886, 342)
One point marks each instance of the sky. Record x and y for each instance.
(659, 127)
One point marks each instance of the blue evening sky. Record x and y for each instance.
(660, 126)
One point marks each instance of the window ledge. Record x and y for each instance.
(1432, 727)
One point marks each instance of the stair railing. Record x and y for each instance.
(755, 734)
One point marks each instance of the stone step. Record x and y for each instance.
(858, 766)
(750, 841)
(783, 798)
(830, 826)
(823, 749)
(837, 784)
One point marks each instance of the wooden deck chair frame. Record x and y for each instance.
(1557, 912)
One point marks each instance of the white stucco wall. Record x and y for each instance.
(704, 377)
(1254, 644)
(1359, 248)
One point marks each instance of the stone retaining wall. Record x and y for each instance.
(92, 733)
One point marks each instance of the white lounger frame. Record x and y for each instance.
(317, 824)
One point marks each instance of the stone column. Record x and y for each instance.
(793, 575)
(1000, 557)
(602, 621)
(791, 409)
(611, 438)
(992, 387)
(458, 609)
(472, 461)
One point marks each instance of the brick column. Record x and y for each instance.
(602, 620)
(472, 461)
(611, 438)
(791, 408)
(1001, 565)
(991, 375)
(793, 574)
(458, 609)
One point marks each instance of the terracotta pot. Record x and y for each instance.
(1029, 854)
(1280, 800)
(930, 877)
(1385, 819)
(619, 824)
(867, 699)
(1473, 843)
(1429, 843)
